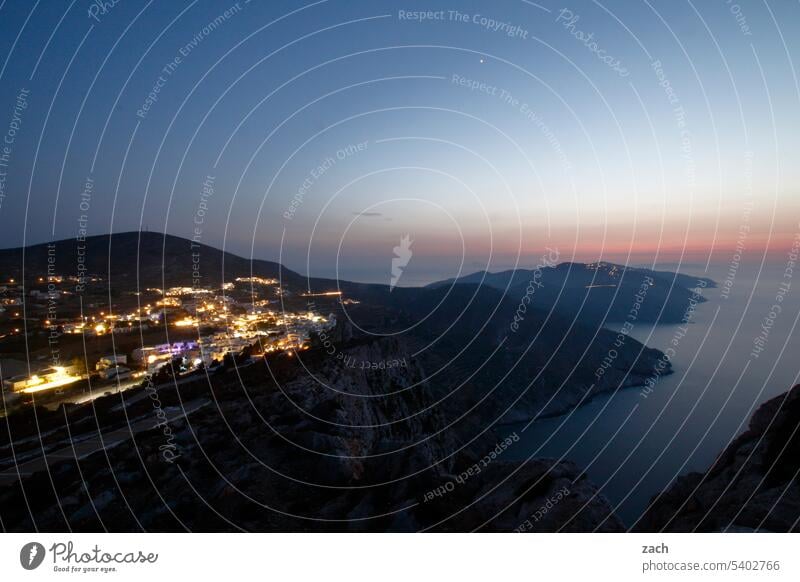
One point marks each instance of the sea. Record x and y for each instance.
(741, 348)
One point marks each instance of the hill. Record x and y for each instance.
(146, 259)
(598, 293)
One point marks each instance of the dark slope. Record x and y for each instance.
(148, 256)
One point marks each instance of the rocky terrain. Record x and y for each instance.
(752, 486)
(307, 444)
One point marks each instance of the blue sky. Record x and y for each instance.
(331, 129)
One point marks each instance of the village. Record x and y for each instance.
(82, 343)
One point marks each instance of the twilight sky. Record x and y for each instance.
(320, 133)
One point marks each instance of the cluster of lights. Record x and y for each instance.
(183, 291)
(257, 280)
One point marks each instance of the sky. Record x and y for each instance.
(319, 134)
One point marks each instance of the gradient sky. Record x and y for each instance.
(681, 161)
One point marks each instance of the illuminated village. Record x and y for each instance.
(79, 342)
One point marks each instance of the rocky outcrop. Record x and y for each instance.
(752, 486)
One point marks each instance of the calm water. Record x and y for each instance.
(633, 447)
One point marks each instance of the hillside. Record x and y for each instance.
(146, 259)
(598, 293)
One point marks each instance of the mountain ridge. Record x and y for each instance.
(600, 293)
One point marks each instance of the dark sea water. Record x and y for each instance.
(633, 446)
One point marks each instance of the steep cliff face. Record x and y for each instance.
(753, 485)
(353, 440)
